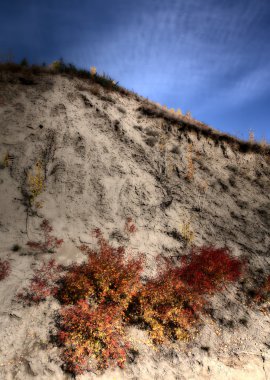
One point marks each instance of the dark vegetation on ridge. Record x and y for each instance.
(147, 108)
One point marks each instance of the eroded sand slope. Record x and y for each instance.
(106, 161)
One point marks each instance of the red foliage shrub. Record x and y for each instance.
(93, 337)
(4, 269)
(50, 242)
(207, 269)
(43, 284)
(106, 275)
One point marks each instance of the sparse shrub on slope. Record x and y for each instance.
(251, 136)
(58, 65)
(130, 227)
(93, 70)
(4, 269)
(36, 180)
(6, 161)
(105, 81)
(24, 62)
(50, 242)
(186, 232)
(42, 285)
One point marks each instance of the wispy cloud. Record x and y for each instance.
(208, 54)
(185, 47)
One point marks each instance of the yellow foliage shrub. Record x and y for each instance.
(93, 70)
(187, 232)
(36, 180)
(6, 160)
(56, 65)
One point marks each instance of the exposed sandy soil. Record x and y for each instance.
(105, 161)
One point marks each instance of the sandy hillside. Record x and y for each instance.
(105, 160)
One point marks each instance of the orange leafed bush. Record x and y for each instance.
(93, 338)
(106, 275)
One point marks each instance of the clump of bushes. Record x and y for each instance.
(4, 269)
(101, 296)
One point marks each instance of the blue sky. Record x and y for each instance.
(211, 57)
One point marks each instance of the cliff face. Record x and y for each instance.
(103, 160)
